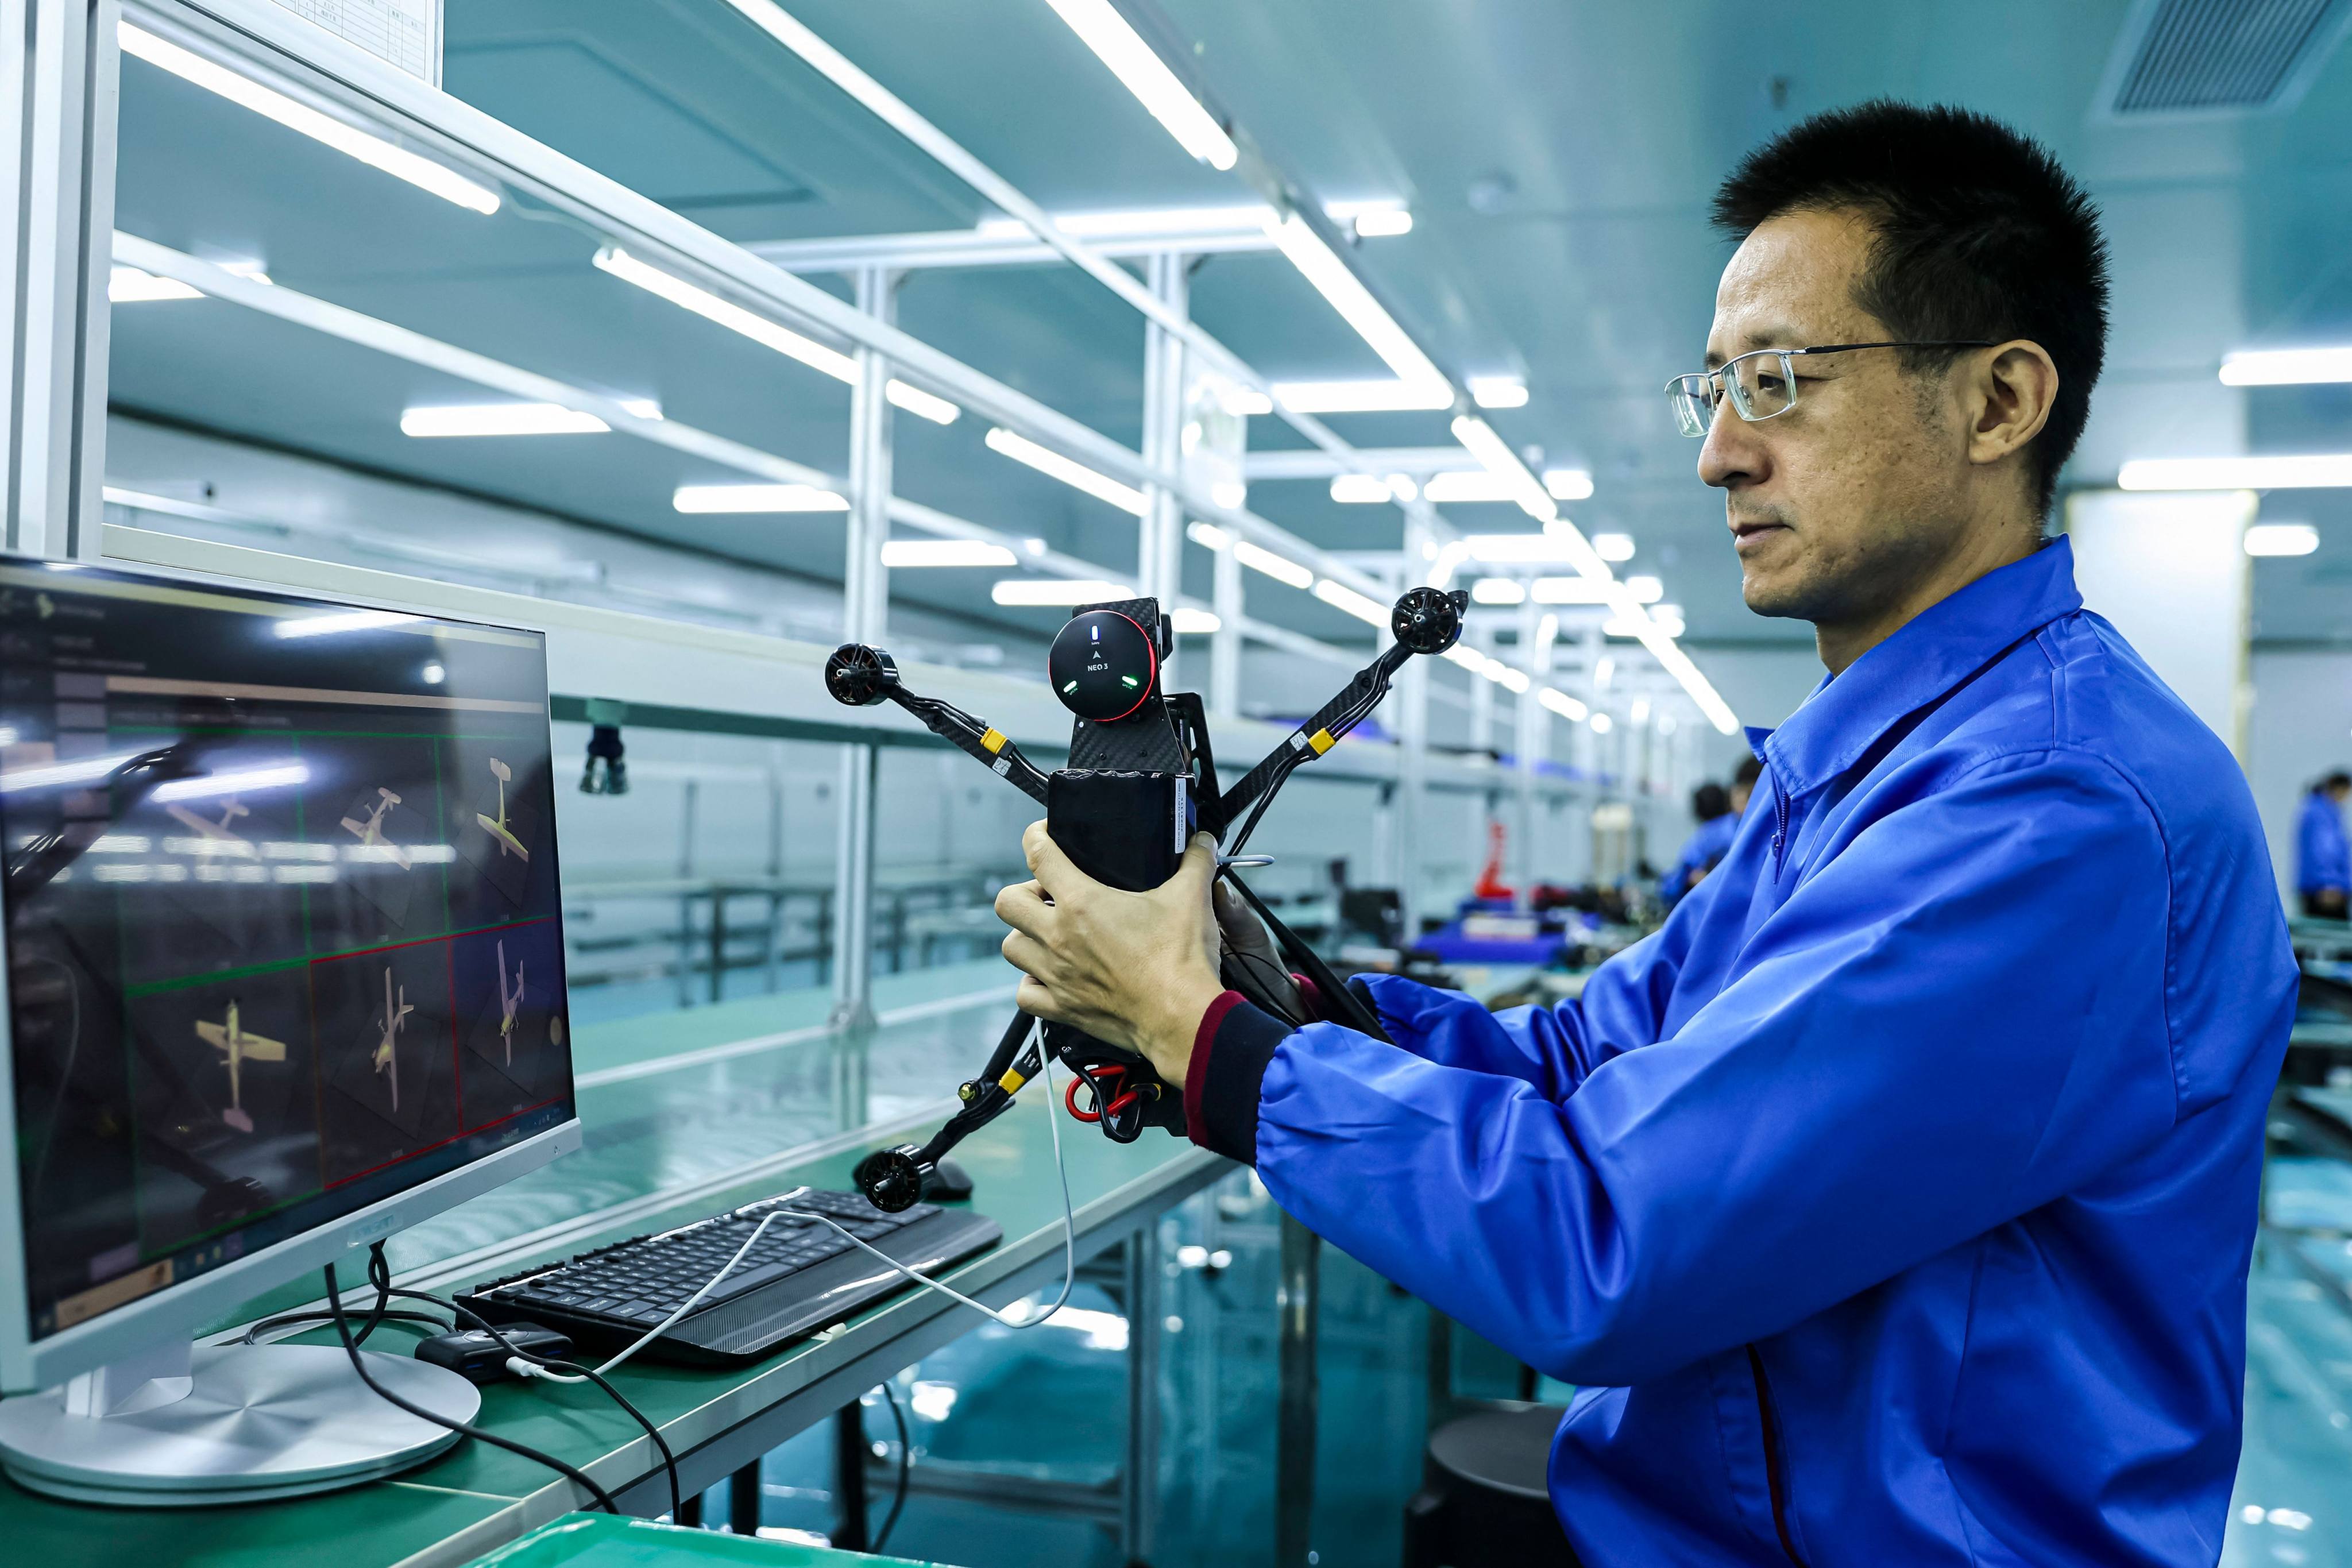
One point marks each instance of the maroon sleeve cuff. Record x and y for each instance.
(1310, 998)
(1230, 1053)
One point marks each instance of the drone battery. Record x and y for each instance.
(1124, 828)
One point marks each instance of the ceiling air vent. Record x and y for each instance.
(2219, 57)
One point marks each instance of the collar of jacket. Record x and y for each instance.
(1929, 655)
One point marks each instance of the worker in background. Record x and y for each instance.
(1719, 811)
(1894, 1202)
(2322, 860)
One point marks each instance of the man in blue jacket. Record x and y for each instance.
(1892, 1203)
(1719, 811)
(2323, 859)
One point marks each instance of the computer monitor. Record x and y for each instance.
(284, 973)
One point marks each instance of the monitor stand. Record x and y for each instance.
(183, 1425)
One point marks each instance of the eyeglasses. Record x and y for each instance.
(1762, 384)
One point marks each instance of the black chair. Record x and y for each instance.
(1482, 1502)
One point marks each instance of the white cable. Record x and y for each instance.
(1069, 1260)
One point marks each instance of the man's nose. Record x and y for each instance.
(1732, 458)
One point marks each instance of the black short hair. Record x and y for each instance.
(1751, 768)
(1709, 801)
(2339, 779)
(1980, 234)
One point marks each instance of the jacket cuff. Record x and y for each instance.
(1310, 997)
(1230, 1053)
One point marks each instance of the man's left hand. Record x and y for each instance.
(1133, 970)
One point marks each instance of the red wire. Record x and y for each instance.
(1070, 1098)
(1070, 1095)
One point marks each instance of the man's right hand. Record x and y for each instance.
(1253, 950)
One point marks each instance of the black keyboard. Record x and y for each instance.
(800, 1277)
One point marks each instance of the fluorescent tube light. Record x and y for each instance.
(1191, 622)
(499, 419)
(2281, 539)
(1568, 484)
(340, 622)
(1499, 391)
(1570, 590)
(1640, 714)
(1514, 682)
(129, 286)
(1444, 565)
(1517, 549)
(1341, 597)
(1354, 302)
(1497, 458)
(1363, 397)
(1058, 590)
(1379, 223)
(1562, 703)
(1231, 494)
(817, 356)
(1613, 546)
(1281, 568)
(1207, 535)
(1667, 619)
(1604, 672)
(1463, 485)
(1245, 400)
(756, 498)
(1118, 45)
(1497, 591)
(1646, 590)
(1360, 489)
(945, 553)
(2315, 472)
(1468, 658)
(374, 151)
(2286, 367)
(1075, 475)
(1602, 723)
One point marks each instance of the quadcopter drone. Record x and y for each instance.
(1141, 781)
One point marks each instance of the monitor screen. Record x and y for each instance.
(283, 933)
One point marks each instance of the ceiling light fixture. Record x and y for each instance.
(945, 553)
(1075, 475)
(1468, 658)
(1281, 568)
(1613, 546)
(702, 499)
(2315, 472)
(1501, 461)
(1191, 622)
(1497, 591)
(1517, 549)
(1499, 391)
(1373, 222)
(1568, 484)
(1347, 294)
(1562, 703)
(1341, 597)
(1363, 397)
(1208, 535)
(129, 286)
(1513, 681)
(1360, 489)
(2281, 539)
(1602, 723)
(1646, 590)
(1570, 590)
(1058, 590)
(832, 362)
(499, 419)
(348, 140)
(1118, 45)
(2286, 367)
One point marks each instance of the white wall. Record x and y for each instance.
(2301, 730)
(2171, 573)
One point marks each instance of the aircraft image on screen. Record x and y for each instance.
(509, 1001)
(369, 830)
(231, 808)
(508, 843)
(386, 1062)
(229, 1038)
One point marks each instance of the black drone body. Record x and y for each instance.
(1141, 780)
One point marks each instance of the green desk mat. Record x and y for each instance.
(600, 1541)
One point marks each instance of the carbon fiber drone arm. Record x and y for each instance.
(1426, 621)
(860, 677)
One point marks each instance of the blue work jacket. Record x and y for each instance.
(2322, 858)
(1704, 849)
(1894, 1202)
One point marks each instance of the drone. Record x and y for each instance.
(1141, 781)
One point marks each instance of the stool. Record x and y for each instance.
(1482, 1502)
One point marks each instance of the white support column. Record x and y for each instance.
(1529, 742)
(1160, 549)
(1226, 643)
(865, 615)
(59, 68)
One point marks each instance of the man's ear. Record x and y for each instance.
(2009, 395)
